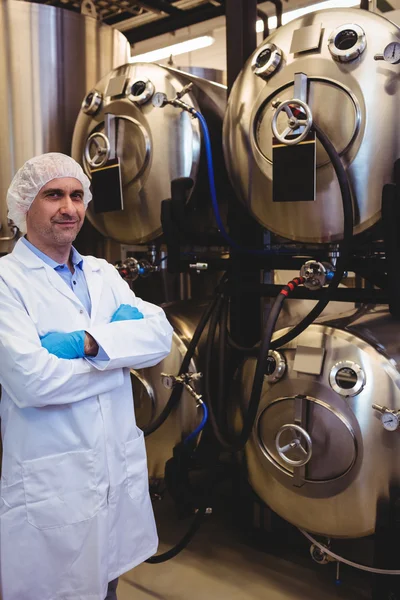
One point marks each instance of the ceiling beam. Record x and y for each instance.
(186, 18)
(159, 6)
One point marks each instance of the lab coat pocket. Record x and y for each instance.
(60, 490)
(136, 467)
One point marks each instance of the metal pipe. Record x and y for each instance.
(10, 238)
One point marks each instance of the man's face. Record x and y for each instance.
(57, 213)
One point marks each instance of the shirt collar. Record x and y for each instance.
(76, 258)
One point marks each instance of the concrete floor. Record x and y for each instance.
(219, 565)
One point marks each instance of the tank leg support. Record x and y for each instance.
(386, 552)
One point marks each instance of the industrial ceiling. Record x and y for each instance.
(148, 18)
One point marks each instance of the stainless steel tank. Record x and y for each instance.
(353, 99)
(154, 145)
(151, 392)
(320, 455)
(49, 57)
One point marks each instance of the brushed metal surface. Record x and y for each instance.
(150, 395)
(49, 57)
(354, 103)
(355, 460)
(167, 145)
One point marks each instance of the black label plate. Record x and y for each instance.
(294, 170)
(107, 187)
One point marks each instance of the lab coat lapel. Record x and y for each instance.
(31, 261)
(57, 282)
(94, 280)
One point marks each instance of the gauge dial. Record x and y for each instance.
(390, 421)
(159, 100)
(392, 53)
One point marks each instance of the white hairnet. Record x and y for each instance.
(33, 175)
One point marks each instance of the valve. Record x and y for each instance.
(185, 379)
(299, 115)
(319, 556)
(316, 274)
(301, 440)
(97, 150)
(199, 266)
(389, 418)
(132, 268)
(146, 268)
(160, 100)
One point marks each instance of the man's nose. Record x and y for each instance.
(68, 205)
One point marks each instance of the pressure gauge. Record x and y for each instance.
(390, 421)
(159, 100)
(392, 53)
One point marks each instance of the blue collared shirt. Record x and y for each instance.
(76, 280)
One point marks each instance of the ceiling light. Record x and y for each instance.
(299, 12)
(174, 50)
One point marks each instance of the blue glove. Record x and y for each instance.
(126, 313)
(65, 345)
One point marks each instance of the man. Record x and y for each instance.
(75, 511)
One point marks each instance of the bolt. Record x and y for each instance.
(276, 103)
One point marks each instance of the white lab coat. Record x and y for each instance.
(75, 510)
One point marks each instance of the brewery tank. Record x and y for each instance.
(49, 57)
(154, 145)
(152, 389)
(323, 452)
(353, 100)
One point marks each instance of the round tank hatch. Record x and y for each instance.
(285, 441)
(267, 61)
(141, 91)
(153, 145)
(341, 122)
(133, 148)
(347, 42)
(276, 366)
(347, 378)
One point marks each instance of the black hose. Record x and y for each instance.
(196, 523)
(266, 344)
(181, 545)
(260, 371)
(236, 445)
(344, 251)
(177, 391)
(226, 444)
(252, 350)
(222, 348)
(344, 245)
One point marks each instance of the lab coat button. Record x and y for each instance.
(81, 312)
